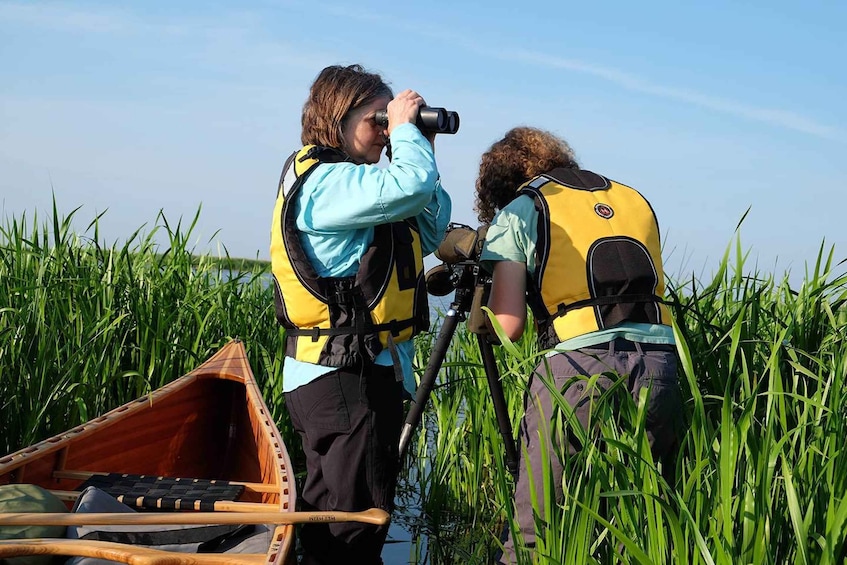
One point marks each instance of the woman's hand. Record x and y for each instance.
(404, 109)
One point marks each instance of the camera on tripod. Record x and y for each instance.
(460, 271)
(430, 119)
(459, 252)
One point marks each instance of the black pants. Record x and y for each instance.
(349, 421)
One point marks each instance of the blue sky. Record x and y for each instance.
(707, 109)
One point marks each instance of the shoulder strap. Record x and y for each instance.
(285, 168)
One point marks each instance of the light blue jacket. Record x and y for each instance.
(338, 207)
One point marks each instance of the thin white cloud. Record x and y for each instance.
(63, 17)
(243, 44)
(235, 42)
(774, 117)
(781, 118)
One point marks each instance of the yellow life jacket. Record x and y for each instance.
(342, 321)
(599, 259)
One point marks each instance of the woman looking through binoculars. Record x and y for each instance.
(347, 245)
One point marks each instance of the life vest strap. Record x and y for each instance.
(394, 327)
(317, 332)
(563, 308)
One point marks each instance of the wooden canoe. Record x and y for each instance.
(209, 424)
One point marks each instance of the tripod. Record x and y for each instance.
(457, 312)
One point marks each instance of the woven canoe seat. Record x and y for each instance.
(164, 493)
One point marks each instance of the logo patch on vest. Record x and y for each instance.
(604, 210)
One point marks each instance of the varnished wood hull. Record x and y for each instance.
(209, 424)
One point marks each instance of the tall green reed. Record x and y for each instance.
(86, 326)
(760, 476)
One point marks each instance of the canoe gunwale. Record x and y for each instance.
(229, 363)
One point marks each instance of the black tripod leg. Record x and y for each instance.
(499, 399)
(439, 351)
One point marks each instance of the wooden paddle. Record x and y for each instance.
(374, 516)
(135, 555)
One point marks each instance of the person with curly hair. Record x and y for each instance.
(583, 253)
(348, 240)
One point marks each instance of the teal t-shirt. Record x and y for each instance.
(512, 236)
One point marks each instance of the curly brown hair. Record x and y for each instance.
(523, 153)
(334, 93)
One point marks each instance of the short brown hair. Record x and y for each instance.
(334, 93)
(522, 154)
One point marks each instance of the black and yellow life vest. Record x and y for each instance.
(339, 322)
(598, 256)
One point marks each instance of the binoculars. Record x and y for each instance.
(436, 120)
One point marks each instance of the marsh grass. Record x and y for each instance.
(85, 327)
(761, 476)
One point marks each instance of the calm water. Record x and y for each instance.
(398, 547)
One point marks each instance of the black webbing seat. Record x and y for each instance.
(164, 493)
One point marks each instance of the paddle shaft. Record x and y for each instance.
(121, 553)
(374, 516)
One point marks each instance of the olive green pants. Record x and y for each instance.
(643, 365)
